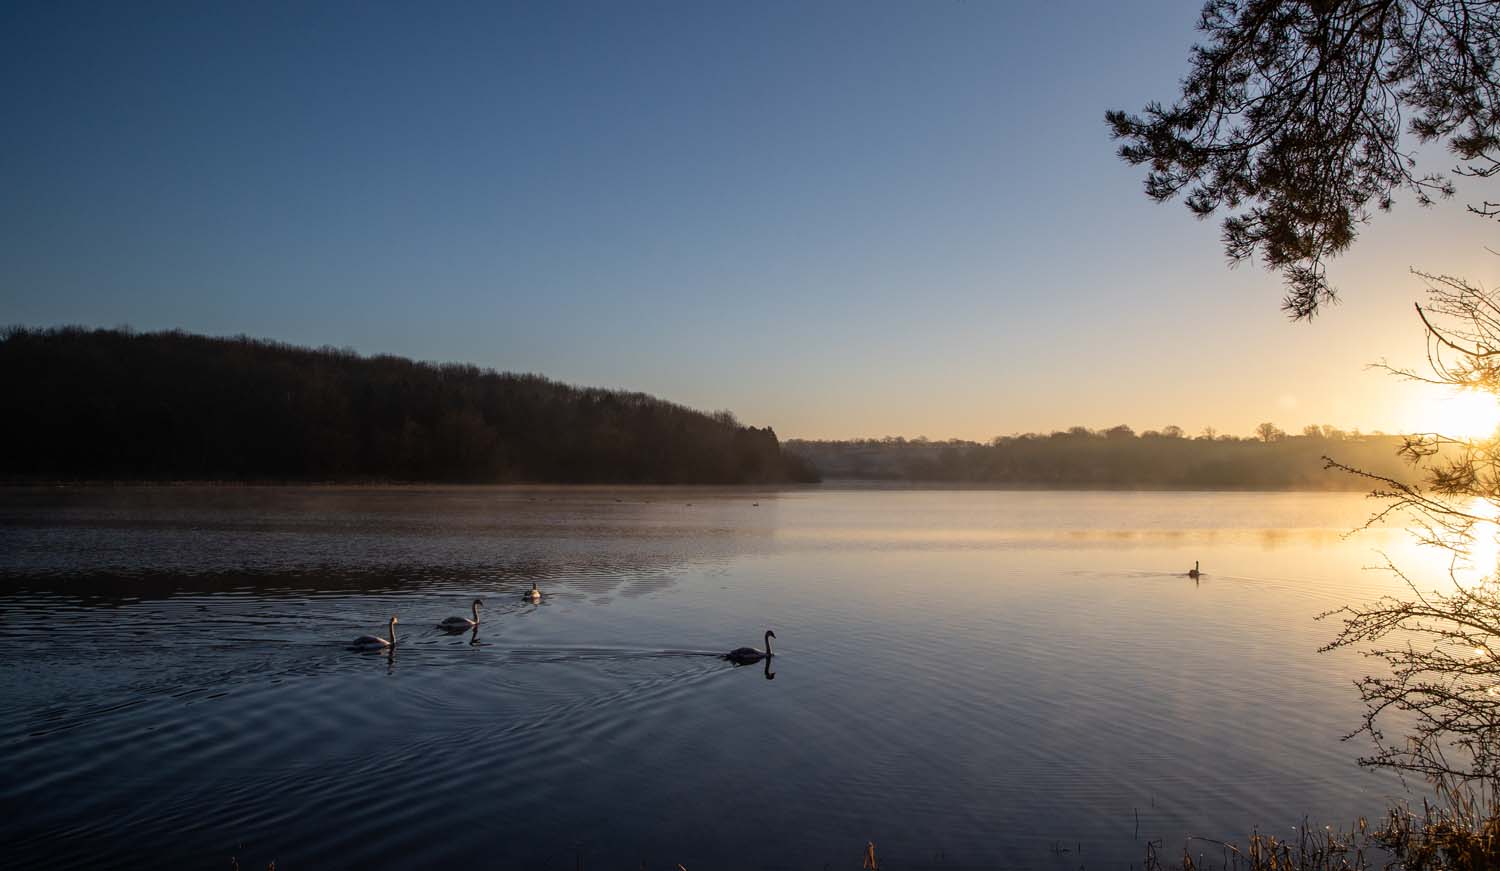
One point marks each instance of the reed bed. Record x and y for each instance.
(1313, 849)
(1460, 833)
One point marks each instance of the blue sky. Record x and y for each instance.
(840, 219)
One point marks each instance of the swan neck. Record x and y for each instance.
(393, 633)
(768, 644)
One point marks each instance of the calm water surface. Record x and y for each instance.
(1007, 679)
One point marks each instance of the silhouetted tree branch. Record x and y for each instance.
(1298, 115)
(1442, 681)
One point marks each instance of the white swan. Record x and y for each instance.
(375, 642)
(460, 624)
(533, 594)
(743, 655)
(1194, 572)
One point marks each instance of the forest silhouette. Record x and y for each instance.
(86, 404)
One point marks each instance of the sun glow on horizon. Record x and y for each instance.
(1461, 414)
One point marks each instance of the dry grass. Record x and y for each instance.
(1461, 833)
(1313, 850)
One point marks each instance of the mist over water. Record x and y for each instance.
(962, 677)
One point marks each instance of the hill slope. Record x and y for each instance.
(110, 404)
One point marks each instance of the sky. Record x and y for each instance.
(839, 219)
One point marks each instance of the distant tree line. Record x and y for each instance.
(1118, 457)
(116, 405)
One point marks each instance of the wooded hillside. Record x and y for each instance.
(115, 405)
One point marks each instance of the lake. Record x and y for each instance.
(965, 678)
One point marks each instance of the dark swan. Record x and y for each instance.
(375, 642)
(742, 655)
(1194, 572)
(461, 624)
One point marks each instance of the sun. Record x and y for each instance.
(1464, 414)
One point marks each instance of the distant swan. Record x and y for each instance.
(743, 655)
(459, 624)
(1194, 572)
(375, 642)
(533, 594)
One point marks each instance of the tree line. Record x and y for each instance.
(84, 404)
(1271, 459)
